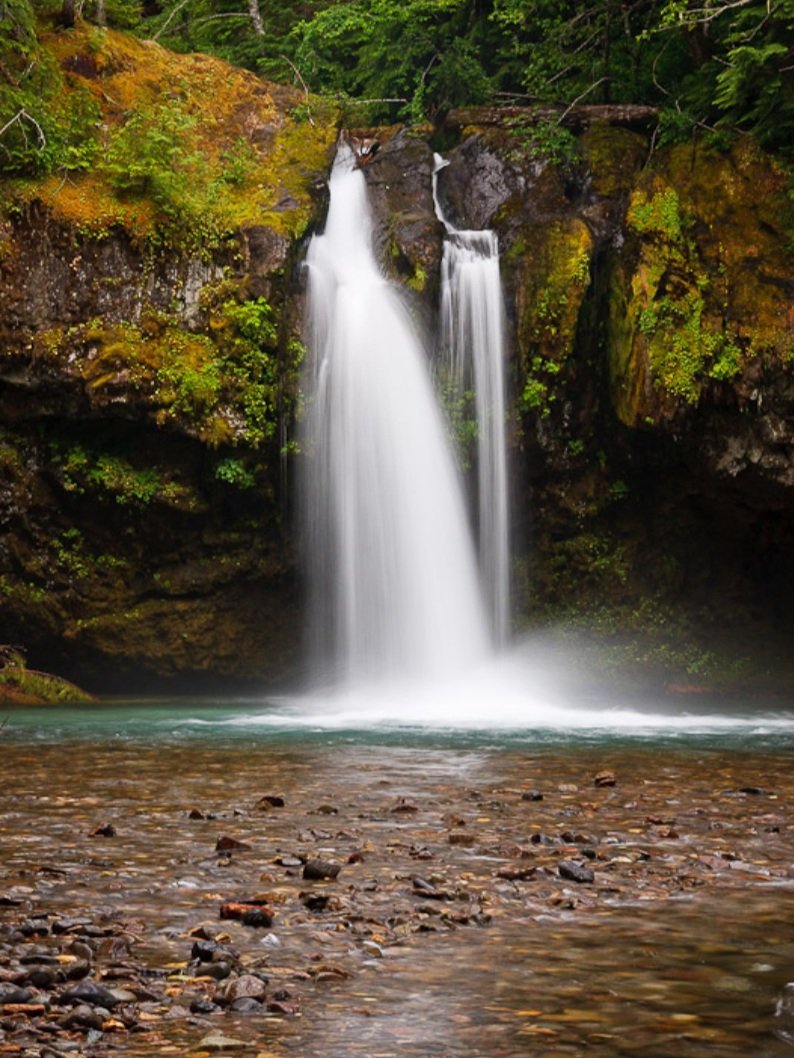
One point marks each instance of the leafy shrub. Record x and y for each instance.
(41, 129)
(151, 155)
(546, 140)
(233, 472)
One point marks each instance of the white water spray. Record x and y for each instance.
(395, 583)
(472, 343)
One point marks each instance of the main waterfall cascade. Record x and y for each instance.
(399, 612)
(472, 345)
(396, 591)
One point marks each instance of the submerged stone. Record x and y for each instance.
(89, 991)
(216, 1041)
(575, 872)
(318, 870)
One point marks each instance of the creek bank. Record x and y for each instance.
(20, 685)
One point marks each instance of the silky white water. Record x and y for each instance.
(473, 351)
(393, 569)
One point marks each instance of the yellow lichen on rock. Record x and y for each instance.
(612, 155)
(552, 283)
(699, 292)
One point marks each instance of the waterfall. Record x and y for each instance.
(472, 343)
(392, 563)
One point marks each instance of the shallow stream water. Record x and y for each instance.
(683, 946)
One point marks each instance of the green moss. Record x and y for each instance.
(23, 591)
(591, 561)
(70, 553)
(684, 349)
(560, 275)
(680, 321)
(234, 472)
(538, 393)
(178, 150)
(227, 386)
(517, 250)
(9, 454)
(113, 477)
(189, 380)
(613, 157)
(418, 280)
(247, 340)
(552, 282)
(118, 623)
(300, 155)
(657, 214)
(575, 448)
(545, 140)
(73, 557)
(21, 685)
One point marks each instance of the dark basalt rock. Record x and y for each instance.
(202, 1005)
(408, 235)
(476, 183)
(89, 992)
(10, 994)
(317, 870)
(576, 872)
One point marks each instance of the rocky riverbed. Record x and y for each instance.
(327, 897)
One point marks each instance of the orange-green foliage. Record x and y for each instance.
(705, 297)
(179, 149)
(20, 685)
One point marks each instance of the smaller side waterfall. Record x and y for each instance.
(472, 342)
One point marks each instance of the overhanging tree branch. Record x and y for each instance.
(170, 18)
(305, 87)
(579, 98)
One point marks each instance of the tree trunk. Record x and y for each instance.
(101, 13)
(607, 46)
(256, 17)
(67, 15)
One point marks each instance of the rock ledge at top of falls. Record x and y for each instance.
(681, 254)
(627, 115)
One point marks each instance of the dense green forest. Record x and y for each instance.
(717, 66)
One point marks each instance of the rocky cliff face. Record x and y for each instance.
(649, 295)
(150, 346)
(150, 343)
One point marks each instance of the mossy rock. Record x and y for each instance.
(176, 149)
(612, 156)
(550, 286)
(701, 291)
(223, 387)
(20, 685)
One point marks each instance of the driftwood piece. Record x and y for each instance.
(628, 115)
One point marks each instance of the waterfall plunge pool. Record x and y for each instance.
(683, 942)
(538, 692)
